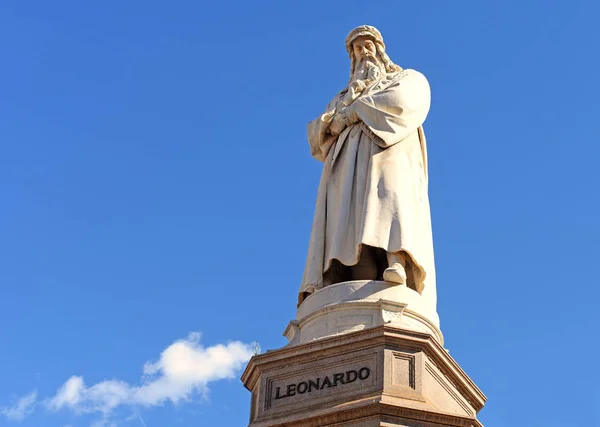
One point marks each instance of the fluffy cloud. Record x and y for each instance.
(184, 368)
(22, 408)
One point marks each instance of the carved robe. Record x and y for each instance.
(373, 188)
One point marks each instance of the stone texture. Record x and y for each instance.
(411, 381)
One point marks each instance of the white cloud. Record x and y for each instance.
(68, 394)
(183, 369)
(22, 408)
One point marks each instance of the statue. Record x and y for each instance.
(372, 218)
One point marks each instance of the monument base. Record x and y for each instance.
(380, 376)
(361, 304)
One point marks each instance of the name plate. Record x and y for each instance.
(311, 385)
(306, 385)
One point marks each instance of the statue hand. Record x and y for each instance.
(348, 115)
(357, 86)
(337, 125)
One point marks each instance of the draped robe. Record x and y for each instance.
(373, 188)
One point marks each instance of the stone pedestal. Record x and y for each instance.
(361, 354)
(382, 376)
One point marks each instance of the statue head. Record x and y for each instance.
(365, 43)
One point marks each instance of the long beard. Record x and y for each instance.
(368, 68)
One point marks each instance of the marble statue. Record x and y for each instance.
(366, 338)
(372, 218)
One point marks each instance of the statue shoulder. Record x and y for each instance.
(411, 80)
(398, 79)
(408, 74)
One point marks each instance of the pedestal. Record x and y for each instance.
(358, 359)
(360, 304)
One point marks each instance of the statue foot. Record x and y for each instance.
(395, 274)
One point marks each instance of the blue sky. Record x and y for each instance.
(157, 195)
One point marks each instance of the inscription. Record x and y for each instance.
(320, 383)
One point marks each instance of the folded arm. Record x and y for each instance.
(395, 112)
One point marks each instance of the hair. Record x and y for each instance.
(385, 60)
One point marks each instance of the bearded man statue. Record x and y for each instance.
(372, 219)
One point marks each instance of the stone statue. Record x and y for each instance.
(372, 219)
(366, 338)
